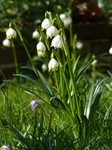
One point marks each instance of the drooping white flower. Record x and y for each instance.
(56, 42)
(35, 35)
(52, 31)
(46, 23)
(41, 49)
(11, 33)
(53, 65)
(62, 17)
(67, 21)
(44, 67)
(94, 62)
(6, 43)
(110, 51)
(79, 45)
(41, 54)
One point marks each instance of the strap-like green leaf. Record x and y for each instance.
(89, 101)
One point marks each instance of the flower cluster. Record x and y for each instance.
(66, 20)
(10, 34)
(51, 32)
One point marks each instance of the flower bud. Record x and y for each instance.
(33, 104)
(6, 43)
(53, 65)
(11, 33)
(46, 23)
(52, 31)
(56, 42)
(35, 35)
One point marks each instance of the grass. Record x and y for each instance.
(51, 123)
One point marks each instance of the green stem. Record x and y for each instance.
(15, 58)
(71, 37)
(69, 94)
(74, 49)
(56, 81)
(61, 82)
(21, 38)
(75, 99)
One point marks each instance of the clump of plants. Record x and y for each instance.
(65, 103)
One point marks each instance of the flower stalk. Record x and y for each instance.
(15, 57)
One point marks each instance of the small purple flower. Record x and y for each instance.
(33, 104)
(5, 147)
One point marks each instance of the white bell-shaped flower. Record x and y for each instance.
(110, 51)
(94, 62)
(79, 45)
(53, 65)
(62, 17)
(41, 54)
(6, 43)
(44, 67)
(11, 33)
(46, 23)
(56, 42)
(51, 31)
(41, 49)
(35, 35)
(67, 22)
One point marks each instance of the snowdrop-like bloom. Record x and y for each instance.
(11, 33)
(4, 147)
(67, 22)
(46, 23)
(56, 42)
(62, 17)
(79, 45)
(52, 31)
(6, 43)
(94, 62)
(44, 67)
(35, 35)
(110, 51)
(33, 104)
(41, 49)
(53, 65)
(41, 54)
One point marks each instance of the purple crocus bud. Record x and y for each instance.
(5, 147)
(33, 104)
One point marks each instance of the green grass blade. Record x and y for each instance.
(30, 79)
(89, 101)
(94, 106)
(21, 138)
(27, 90)
(45, 83)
